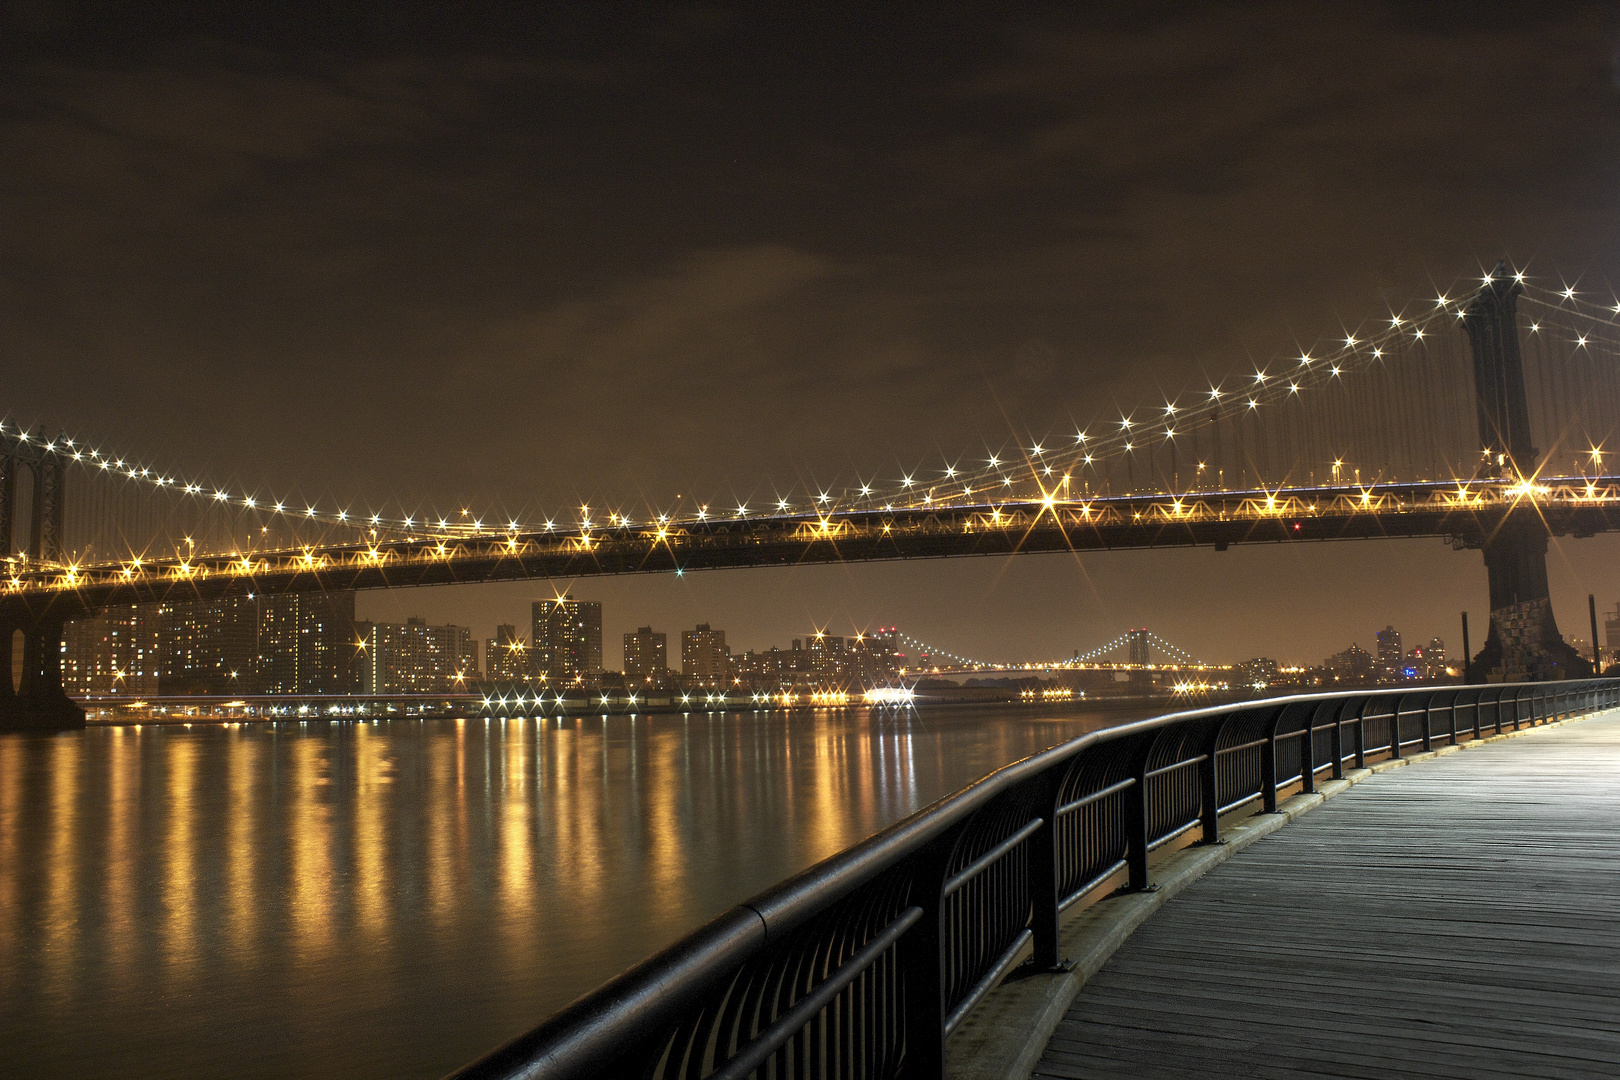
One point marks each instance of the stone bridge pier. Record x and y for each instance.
(37, 702)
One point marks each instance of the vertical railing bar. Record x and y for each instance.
(1361, 733)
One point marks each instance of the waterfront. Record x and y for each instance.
(393, 898)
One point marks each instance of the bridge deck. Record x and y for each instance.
(1456, 919)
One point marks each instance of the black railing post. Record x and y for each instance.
(1338, 737)
(1209, 794)
(1338, 740)
(1395, 727)
(1043, 876)
(1361, 733)
(922, 960)
(1428, 722)
(1307, 752)
(1136, 819)
(1268, 765)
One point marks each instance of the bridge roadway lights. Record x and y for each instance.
(38, 704)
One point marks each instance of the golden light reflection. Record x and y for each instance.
(60, 957)
(374, 869)
(309, 867)
(179, 855)
(516, 840)
(123, 779)
(11, 869)
(310, 890)
(244, 766)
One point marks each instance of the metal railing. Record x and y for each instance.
(863, 965)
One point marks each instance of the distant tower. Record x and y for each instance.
(1141, 678)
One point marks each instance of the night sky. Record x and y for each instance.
(475, 255)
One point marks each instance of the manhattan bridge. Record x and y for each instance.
(1484, 416)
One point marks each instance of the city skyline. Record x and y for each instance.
(316, 645)
(870, 597)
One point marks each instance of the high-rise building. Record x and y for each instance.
(567, 638)
(508, 656)
(209, 646)
(306, 644)
(705, 656)
(1390, 655)
(1262, 671)
(1354, 663)
(826, 655)
(870, 660)
(884, 647)
(415, 658)
(116, 652)
(646, 654)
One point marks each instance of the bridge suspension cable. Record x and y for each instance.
(1122, 641)
(1390, 402)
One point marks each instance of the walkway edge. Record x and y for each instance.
(1004, 1037)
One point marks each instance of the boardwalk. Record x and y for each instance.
(1460, 918)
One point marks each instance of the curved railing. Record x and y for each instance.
(862, 965)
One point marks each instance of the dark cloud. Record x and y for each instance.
(528, 257)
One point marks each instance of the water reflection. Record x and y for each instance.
(391, 899)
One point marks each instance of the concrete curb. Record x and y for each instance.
(1004, 1037)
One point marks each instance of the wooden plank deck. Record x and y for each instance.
(1459, 918)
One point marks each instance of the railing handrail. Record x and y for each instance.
(576, 1039)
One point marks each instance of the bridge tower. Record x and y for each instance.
(1141, 678)
(1523, 642)
(37, 702)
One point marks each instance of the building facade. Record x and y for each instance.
(705, 656)
(567, 638)
(306, 644)
(116, 652)
(646, 654)
(415, 658)
(209, 646)
(1391, 658)
(508, 656)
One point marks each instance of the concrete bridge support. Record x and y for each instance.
(1523, 642)
(39, 703)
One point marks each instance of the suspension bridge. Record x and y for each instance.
(1481, 419)
(1131, 650)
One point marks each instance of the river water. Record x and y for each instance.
(392, 899)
